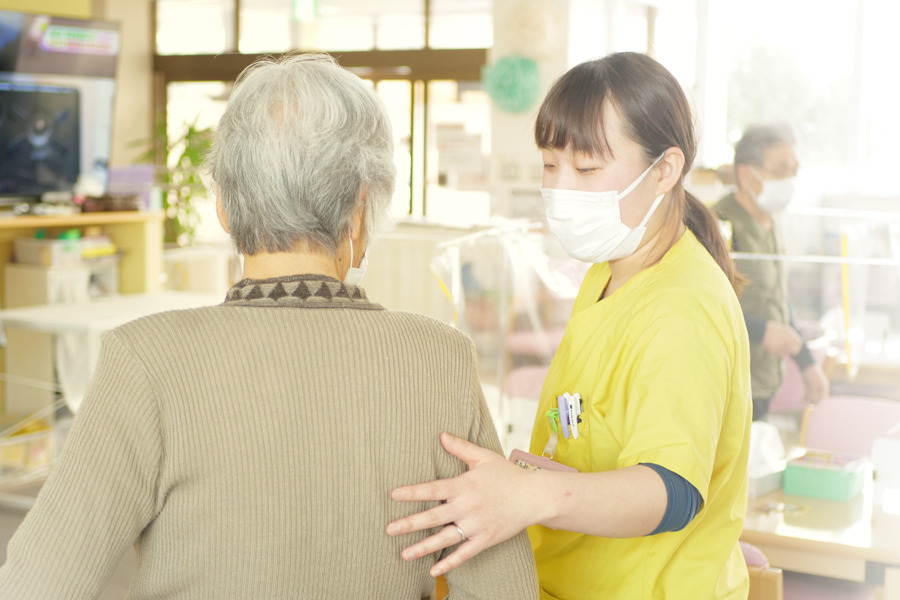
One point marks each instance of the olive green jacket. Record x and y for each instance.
(764, 298)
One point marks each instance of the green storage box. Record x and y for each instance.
(825, 475)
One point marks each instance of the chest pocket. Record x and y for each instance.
(596, 449)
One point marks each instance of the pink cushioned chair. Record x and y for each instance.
(791, 395)
(769, 583)
(765, 581)
(800, 586)
(848, 424)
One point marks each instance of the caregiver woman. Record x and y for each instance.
(657, 350)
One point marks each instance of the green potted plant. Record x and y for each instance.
(178, 162)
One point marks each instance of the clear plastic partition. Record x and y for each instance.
(512, 289)
(842, 271)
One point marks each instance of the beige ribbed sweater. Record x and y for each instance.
(249, 450)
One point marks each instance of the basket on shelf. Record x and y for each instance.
(28, 448)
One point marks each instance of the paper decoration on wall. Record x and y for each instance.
(532, 28)
(512, 82)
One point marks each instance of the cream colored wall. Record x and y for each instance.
(63, 8)
(516, 166)
(133, 118)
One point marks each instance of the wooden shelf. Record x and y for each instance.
(79, 220)
(138, 236)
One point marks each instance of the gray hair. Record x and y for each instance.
(757, 139)
(300, 140)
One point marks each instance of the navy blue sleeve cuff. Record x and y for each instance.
(683, 503)
(756, 328)
(804, 358)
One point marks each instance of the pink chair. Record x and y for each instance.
(753, 556)
(526, 382)
(791, 395)
(800, 586)
(848, 424)
(768, 582)
(765, 581)
(539, 344)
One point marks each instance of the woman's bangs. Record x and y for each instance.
(573, 119)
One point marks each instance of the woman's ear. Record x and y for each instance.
(743, 177)
(670, 167)
(220, 213)
(358, 221)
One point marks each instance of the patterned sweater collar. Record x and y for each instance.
(301, 291)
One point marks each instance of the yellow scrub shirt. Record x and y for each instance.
(662, 366)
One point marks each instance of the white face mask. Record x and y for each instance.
(355, 274)
(775, 194)
(589, 224)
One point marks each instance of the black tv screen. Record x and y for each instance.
(57, 89)
(40, 134)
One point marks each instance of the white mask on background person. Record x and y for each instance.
(775, 194)
(355, 274)
(589, 224)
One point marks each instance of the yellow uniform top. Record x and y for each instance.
(662, 366)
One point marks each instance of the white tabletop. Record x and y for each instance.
(827, 537)
(103, 313)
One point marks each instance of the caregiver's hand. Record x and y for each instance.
(490, 503)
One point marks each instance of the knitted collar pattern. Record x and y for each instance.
(300, 291)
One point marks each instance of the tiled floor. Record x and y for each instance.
(116, 588)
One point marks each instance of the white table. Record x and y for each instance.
(103, 313)
(90, 319)
(853, 540)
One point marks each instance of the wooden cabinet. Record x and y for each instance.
(138, 235)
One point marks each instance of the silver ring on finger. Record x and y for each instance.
(461, 534)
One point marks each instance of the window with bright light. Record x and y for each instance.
(204, 26)
(268, 28)
(461, 24)
(441, 128)
(397, 98)
(202, 104)
(458, 146)
(783, 68)
(817, 65)
(194, 26)
(331, 25)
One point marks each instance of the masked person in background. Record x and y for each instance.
(648, 394)
(765, 165)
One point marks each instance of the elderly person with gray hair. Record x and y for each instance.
(765, 167)
(248, 449)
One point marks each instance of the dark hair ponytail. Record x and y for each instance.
(704, 224)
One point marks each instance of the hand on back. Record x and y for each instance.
(478, 502)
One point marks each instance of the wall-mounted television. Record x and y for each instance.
(57, 90)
